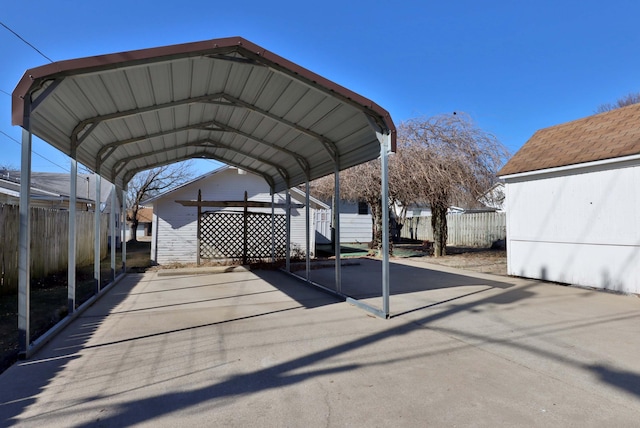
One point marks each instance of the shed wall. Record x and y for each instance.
(354, 227)
(175, 226)
(581, 228)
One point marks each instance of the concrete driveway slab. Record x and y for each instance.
(263, 349)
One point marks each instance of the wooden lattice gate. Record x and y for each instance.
(241, 236)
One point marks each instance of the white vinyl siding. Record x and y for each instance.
(355, 228)
(175, 226)
(580, 227)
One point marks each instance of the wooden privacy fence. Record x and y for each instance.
(49, 242)
(465, 230)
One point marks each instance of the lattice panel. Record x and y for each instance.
(222, 236)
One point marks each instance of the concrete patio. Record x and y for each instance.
(263, 349)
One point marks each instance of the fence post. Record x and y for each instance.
(245, 230)
(199, 226)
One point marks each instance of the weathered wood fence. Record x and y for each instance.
(49, 242)
(466, 230)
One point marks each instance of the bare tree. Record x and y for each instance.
(149, 183)
(7, 167)
(627, 100)
(444, 160)
(360, 183)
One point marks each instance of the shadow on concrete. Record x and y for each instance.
(298, 369)
(15, 398)
(294, 370)
(621, 379)
(297, 290)
(362, 279)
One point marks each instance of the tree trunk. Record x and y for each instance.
(439, 225)
(134, 230)
(376, 226)
(376, 220)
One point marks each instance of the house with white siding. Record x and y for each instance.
(175, 226)
(355, 222)
(573, 203)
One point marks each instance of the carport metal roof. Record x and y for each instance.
(225, 99)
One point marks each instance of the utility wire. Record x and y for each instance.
(34, 152)
(7, 93)
(21, 38)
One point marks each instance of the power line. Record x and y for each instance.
(34, 152)
(5, 92)
(21, 38)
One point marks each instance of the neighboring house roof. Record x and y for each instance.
(58, 185)
(602, 136)
(494, 197)
(145, 215)
(12, 188)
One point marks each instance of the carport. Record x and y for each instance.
(225, 99)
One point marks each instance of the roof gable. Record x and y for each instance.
(602, 136)
(208, 178)
(224, 99)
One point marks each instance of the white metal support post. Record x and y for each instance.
(96, 248)
(71, 264)
(112, 227)
(336, 227)
(273, 227)
(308, 230)
(288, 233)
(385, 146)
(24, 240)
(123, 227)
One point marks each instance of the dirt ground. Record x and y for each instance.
(48, 301)
(485, 260)
(476, 260)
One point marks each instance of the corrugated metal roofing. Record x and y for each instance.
(225, 99)
(602, 136)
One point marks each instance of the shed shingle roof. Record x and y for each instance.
(603, 136)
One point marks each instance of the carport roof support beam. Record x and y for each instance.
(119, 89)
(328, 144)
(88, 125)
(208, 143)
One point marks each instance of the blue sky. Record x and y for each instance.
(515, 67)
